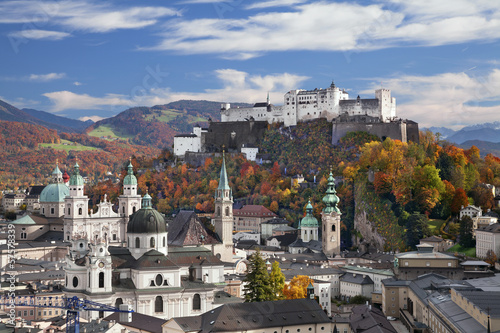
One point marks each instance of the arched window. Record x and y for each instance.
(152, 242)
(333, 227)
(158, 304)
(118, 302)
(227, 211)
(137, 243)
(101, 280)
(196, 302)
(75, 282)
(69, 211)
(123, 209)
(133, 209)
(218, 211)
(80, 211)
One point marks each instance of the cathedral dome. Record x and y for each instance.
(146, 220)
(309, 220)
(54, 193)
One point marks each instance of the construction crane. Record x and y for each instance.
(72, 305)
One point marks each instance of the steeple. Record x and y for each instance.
(130, 179)
(331, 199)
(57, 174)
(76, 179)
(146, 201)
(223, 183)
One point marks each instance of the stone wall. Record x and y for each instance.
(233, 135)
(404, 131)
(368, 230)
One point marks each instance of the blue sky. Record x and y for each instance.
(81, 59)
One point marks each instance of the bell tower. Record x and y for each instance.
(330, 218)
(223, 220)
(129, 202)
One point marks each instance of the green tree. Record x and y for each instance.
(417, 227)
(277, 281)
(258, 287)
(466, 239)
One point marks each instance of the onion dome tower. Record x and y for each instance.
(330, 218)
(52, 196)
(147, 230)
(308, 226)
(129, 202)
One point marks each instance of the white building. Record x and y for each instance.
(188, 142)
(353, 284)
(250, 152)
(488, 238)
(377, 275)
(471, 211)
(300, 105)
(323, 292)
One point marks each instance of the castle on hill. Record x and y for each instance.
(302, 105)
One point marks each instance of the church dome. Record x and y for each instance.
(54, 193)
(76, 179)
(146, 220)
(309, 220)
(130, 179)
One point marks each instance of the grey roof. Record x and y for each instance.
(284, 228)
(285, 239)
(187, 229)
(474, 263)
(302, 257)
(152, 260)
(393, 282)
(356, 278)
(495, 228)
(255, 315)
(363, 269)
(366, 319)
(490, 283)
(140, 321)
(276, 221)
(486, 301)
(47, 275)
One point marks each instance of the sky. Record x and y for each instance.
(94, 59)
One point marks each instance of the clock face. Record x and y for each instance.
(101, 264)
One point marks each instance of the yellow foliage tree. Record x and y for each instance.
(297, 288)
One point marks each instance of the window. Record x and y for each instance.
(218, 211)
(137, 243)
(152, 242)
(80, 211)
(69, 211)
(52, 211)
(333, 227)
(159, 280)
(123, 209)
(118, 302)
(196, 302)
(164, 241)
(133, 209)
(227, 211)
(75, 282)
(158, 304)
(101, 280)
(114, 237)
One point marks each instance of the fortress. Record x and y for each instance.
(302, 105)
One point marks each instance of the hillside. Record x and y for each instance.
(156, 126)
(486, 147)
(28, 154)
(11, 113)
(73, 125)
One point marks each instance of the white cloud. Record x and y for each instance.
(76, 83)
(83, 15)
(193, 2)
(93, 118)
(237, 86)
(336, 26)
(447, 99)
(274, 3)
(46, 77)
(39, 34)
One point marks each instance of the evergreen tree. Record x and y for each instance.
(417, 227)
(258, 287)
(466, 225)
(277, 281)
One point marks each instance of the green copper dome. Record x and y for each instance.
(54, 193)
(146, 220)
(76, 179)
(130, 179)
(331, 199)
(56, 171)
(309, 220)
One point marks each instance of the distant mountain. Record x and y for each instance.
(156, 126)
(485, 147)
(481, 134)
(77, 125)
(444, 131)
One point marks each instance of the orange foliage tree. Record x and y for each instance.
(297, 288)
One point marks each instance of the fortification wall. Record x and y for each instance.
(233, 135)
(399, 130)
(368, 231)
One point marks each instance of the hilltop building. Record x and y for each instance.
(302, 105)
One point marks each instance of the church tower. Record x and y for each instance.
(308, 226)
(223, 220)
(76, 205)
(129, 202)
(99, 269)
(330, 218)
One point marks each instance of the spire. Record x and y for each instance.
(57, 174)
(332, 85)
(130, 179)
(76, 179)
(223, 182)
(331, 199)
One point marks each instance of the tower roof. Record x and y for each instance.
(309, 220)
(76, 179)
(223, 182)
(331, 199)
(130, 179)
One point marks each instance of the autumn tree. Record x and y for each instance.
(491, 257)
(297, 288)
(466, 237)
(417, 227)
(258, 286)
(277, 281)
(459, 200)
